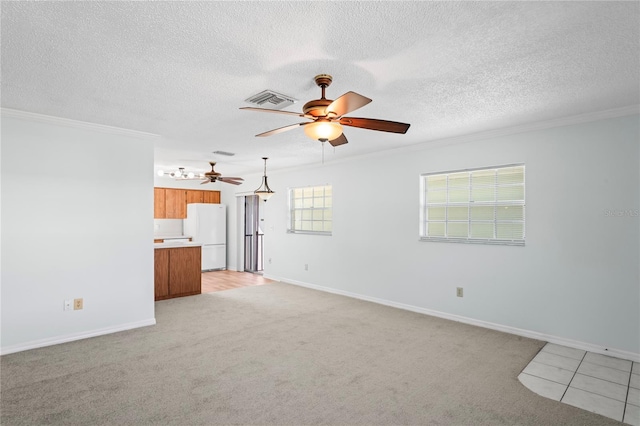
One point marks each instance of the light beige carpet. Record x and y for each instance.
(282, 355)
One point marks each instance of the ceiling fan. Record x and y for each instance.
(214, 176)
(328, 116)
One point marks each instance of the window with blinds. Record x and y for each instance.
(474, 206)
(310, 210)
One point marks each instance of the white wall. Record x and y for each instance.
(77, 203)
(575, 282)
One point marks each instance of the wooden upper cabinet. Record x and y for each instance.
(194, 196)
(171, 203)
(175, 203)
(159, 211)
(211, 197)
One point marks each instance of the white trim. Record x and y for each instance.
(618, 353)
(75, 336)
(474, 137)
(538, 125)
(48, 119)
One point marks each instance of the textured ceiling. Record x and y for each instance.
(181, 70)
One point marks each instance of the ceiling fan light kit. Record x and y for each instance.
(264, 192)
(327, 116)
(323, 130)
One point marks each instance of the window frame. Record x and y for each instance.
(292, 209)
(469, 203)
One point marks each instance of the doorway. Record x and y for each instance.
(253, 235)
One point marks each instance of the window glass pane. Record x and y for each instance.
(481, 230)
(459, 195)
(485, 204)
(510, 212)
(483, 193)
(436, 229)
(436, 213)
(510, 231)
(483, 178)
(457, 229)
(458, 213)
(437, 197)
(310, 209)
(457, 180)
(511, 193)
(510, 175)
(482, 212)
(436, 182)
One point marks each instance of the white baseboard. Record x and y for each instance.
(75, 336)
(618, 353)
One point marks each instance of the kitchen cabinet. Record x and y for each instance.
(171, 203)
(175, 201)
(212, 197)
(177, 272)
(159, 210)
(194, 196)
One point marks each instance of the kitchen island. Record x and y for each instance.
(177, 270)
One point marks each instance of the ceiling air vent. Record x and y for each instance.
(271, 99)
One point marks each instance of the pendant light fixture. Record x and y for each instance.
(264, 192)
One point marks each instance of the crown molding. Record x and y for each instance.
(530, 127)
(48, 119)
(474, 137)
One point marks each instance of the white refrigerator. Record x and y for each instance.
(207, 224)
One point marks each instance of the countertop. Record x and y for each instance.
(171, 237)
(169, 244)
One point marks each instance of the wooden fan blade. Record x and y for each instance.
(205, 181)
(373, 124)
(229, 180)
(275, 111)
(340, 140)
(282, 129)
(346, 103)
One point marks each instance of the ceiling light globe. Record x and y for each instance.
(191, 175)
(321, 129)
(160, 172)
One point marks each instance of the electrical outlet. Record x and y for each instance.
(306, 266)
(459, 292)
(77, 304)
(68, 304)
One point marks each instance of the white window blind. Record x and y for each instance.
(474, 206)
(311, 210)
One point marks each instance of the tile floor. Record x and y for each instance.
(598, 383)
